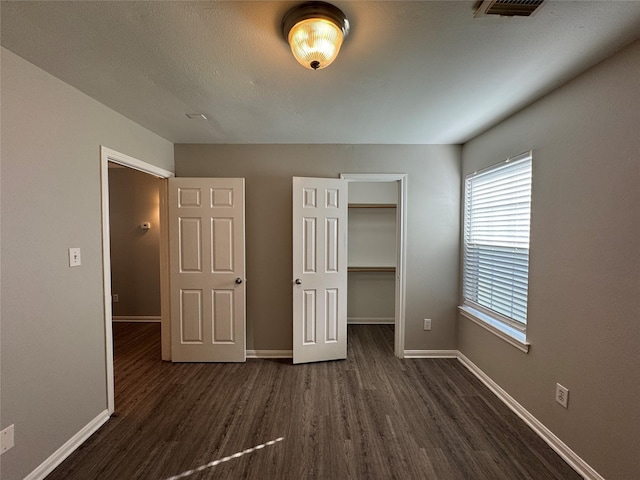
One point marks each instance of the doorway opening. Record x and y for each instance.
(114, 158)
(376, 254)
(134, 234)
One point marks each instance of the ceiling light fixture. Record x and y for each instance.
(315, 31)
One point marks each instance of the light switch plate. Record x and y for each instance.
(75, 259)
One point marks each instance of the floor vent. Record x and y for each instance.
(507, 8)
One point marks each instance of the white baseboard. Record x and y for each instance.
(371, 321)
(269, 353)
(136, 318)
(68, 448)
(431, 353)
(568, 455)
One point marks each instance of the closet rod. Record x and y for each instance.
(371, 269)
(372, 205)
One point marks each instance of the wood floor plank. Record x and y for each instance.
(371, 416)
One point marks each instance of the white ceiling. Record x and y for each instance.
(409, 72)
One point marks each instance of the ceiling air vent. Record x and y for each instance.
(507, 8)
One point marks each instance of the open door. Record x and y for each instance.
(207, 269)
(319, 269)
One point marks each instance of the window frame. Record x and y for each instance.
(510, 329)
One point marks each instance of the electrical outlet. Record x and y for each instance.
(6, 439)
(115, 297)
(427, 324)
(562, 395)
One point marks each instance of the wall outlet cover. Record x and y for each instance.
(562, 395)
(6, 439)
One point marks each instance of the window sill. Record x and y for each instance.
(499, 329)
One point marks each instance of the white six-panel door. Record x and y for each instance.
(207, 269)
(319, 269)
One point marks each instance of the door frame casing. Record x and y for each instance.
(401, 246)
(108, 155)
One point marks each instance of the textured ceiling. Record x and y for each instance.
(409, 72)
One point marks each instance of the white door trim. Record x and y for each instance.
(107, 155)
(401, 241)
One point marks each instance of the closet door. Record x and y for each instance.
(319, 269)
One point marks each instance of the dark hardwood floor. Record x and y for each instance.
(372, 416)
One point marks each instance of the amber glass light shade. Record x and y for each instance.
(315, 32)
(315, 42)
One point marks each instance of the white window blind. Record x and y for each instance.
(496, 240)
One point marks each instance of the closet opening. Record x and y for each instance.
(376, 254)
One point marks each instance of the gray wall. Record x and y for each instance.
(432, 230)
(584, 287)
(134, 198)
(53, 347)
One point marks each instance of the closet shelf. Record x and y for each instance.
(372, 205)
(371, 269)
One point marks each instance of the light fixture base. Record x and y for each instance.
(308, 10)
